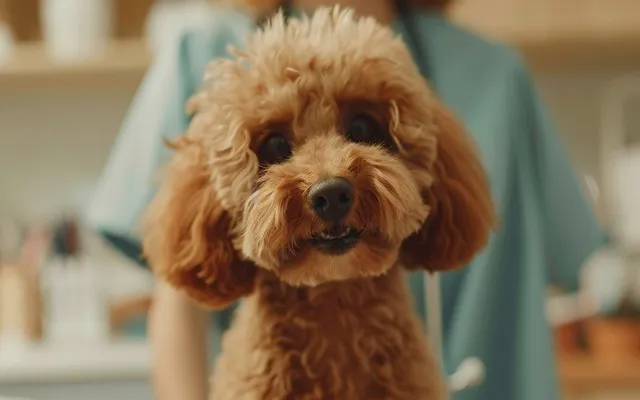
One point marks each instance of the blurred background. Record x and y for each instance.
(72, 311)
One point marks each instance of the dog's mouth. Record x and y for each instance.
(336, 240)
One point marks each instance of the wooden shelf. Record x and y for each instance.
(550, 33)
(582, 373)
(75, 362)
(31, 60)
(596, 53)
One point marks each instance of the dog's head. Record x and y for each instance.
(320, 154)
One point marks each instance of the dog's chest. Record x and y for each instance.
(341, 353)
(351, 345)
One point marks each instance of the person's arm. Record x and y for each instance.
(178, 332)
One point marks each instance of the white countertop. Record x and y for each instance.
(39, 363)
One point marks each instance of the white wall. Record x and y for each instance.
(574, 97)
(54, 140)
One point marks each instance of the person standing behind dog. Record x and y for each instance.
(494, 308)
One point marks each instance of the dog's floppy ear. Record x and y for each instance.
(462, 214)
(186, 234)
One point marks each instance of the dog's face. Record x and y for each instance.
(319, 154)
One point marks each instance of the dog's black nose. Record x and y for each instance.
(331, 198)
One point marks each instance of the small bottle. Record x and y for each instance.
(77, 307)
(6, 41)
(74, 30)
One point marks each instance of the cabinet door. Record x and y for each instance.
(551, 20)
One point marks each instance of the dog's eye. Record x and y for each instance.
(364, 129)
(274, 150)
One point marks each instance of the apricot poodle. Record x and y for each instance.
(317, 166)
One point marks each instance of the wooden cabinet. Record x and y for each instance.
(23, 16)
(564, 28)
(583, 377)
(542, 20)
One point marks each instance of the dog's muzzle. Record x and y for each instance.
(332, 199)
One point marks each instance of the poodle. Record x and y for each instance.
(318, 167)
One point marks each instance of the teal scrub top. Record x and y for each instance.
(494, 308)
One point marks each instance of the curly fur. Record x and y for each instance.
(315, 326)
